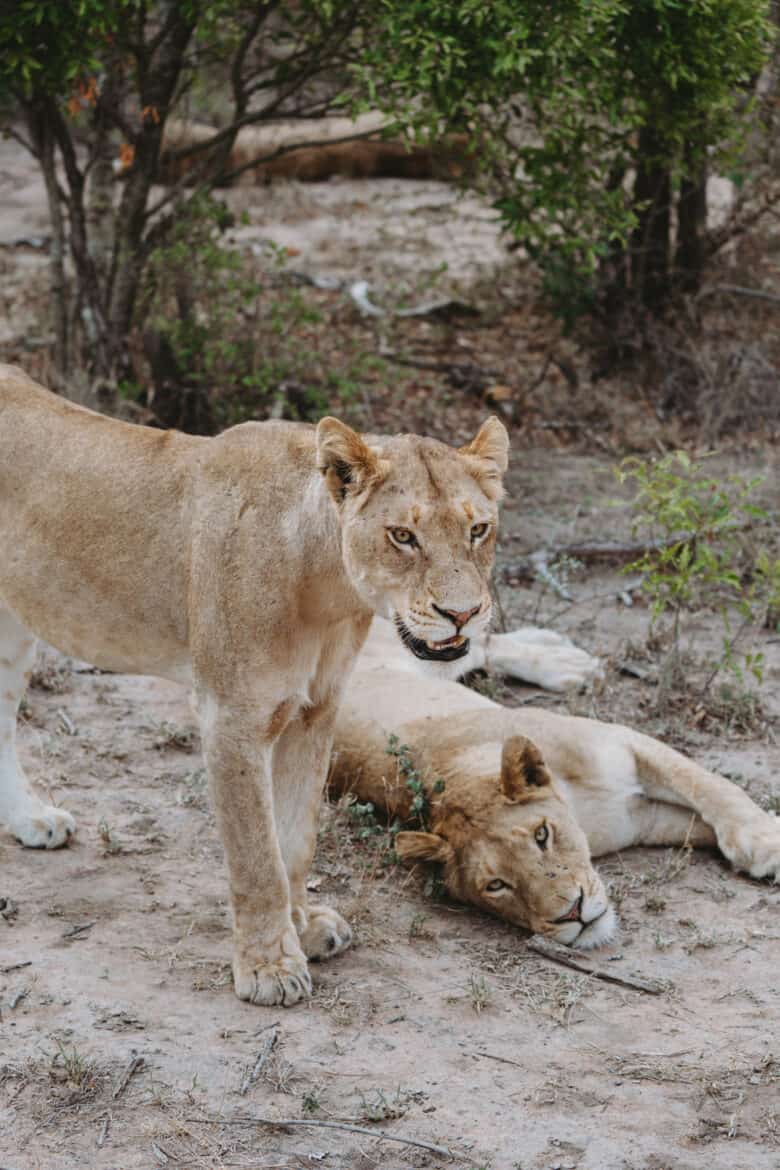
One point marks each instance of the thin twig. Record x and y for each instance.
(546, 575)
(285, 1122)
(15, 967)
(68, 725)
(101, 1141)
(540, 376)
(135, 1065)
(738, 290)
(77, 931)
(253, 1073)
(721, 662)
(560, 954)
(17, 997)
(502, 1059)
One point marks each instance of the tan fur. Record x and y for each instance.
(367, 158)
(598, 787)
(247, 565)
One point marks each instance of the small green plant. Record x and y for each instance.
(72, 1069)
(413, 782)
(110, 842)
(418, 928)
(378, 1106)
(480, 993)
(310, 1102)
(699, 555)
(363, 816)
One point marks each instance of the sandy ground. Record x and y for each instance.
(438, 1025)
(121, 1042)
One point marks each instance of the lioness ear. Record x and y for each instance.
(422, 847)
(490, 450)
(343, 458)
(522, 767)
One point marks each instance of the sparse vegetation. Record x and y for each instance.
(230, 336)
(480, 992)
(108, 839)
(702, 553)
(71, 1070)
(414, 783)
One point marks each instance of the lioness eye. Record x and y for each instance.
(541, 836)
(403, 536)
(478, 531)
(495, 885)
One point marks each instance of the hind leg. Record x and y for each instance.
(38, 825)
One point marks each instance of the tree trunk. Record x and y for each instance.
(650, 242)
(43, 141)
(157, 91)
(691, 223)
(89, 293)
(614, 270)
(100, 187)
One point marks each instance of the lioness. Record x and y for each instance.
(248, 567)
(529, 794)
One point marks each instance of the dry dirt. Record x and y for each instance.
(122, 1044)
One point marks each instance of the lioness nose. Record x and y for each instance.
(458, 617)
(574, 913)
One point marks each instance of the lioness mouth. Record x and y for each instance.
(447, 650)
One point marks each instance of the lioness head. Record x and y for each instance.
(514, 848)
(418, 522)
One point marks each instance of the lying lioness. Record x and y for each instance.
(528, 795)
(247, 566)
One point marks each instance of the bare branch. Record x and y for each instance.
(560, 954)
(28, 145)
(284, 1123)
(737, 290)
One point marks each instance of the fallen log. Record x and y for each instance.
(309, 150)
(606, 552)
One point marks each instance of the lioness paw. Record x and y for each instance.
(45, 828)
(327, 934)
(547, 659)
(754, 847)
(535, 635)
(285, 981)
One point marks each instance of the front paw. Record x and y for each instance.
(754, 847)
(565, 667)
(44, 828)
(326, 933)
(282, 981)
(543, 658)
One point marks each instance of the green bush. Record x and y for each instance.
(702, 553)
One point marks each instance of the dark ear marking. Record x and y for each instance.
(343, 473)
(522, 768)
(343, 457)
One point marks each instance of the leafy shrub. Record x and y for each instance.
(701, 554)
(229, 337)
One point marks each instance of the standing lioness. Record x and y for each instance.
(247, 565)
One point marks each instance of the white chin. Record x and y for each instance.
(598, 933)
(451, 671)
